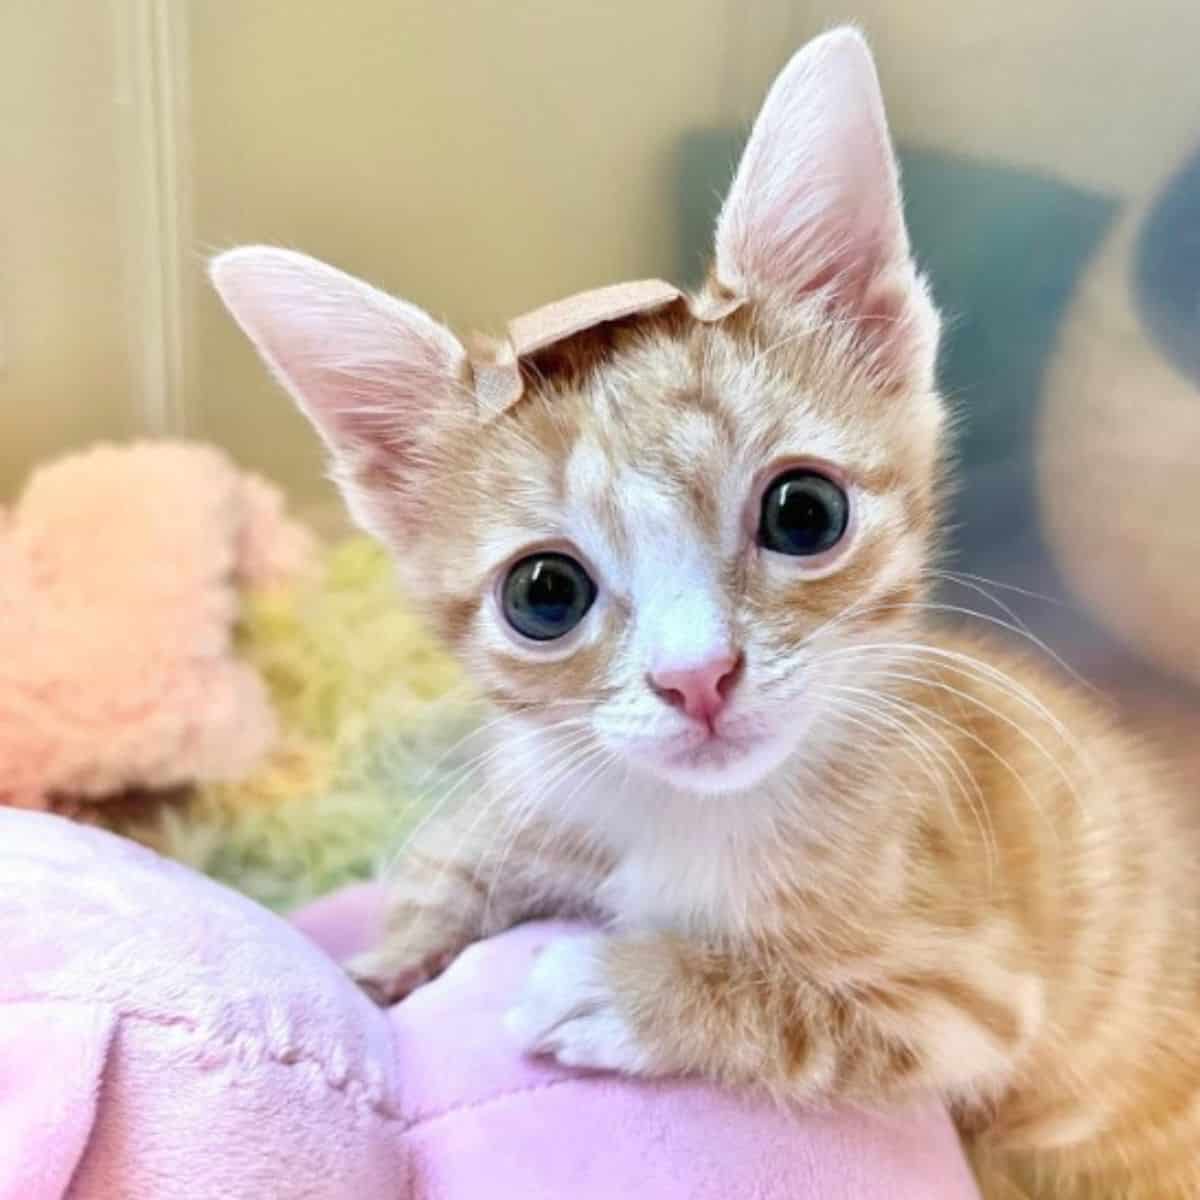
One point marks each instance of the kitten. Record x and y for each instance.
(839, 851)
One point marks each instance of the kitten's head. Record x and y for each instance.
(678, 542)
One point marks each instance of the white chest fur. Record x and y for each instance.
(702, 871)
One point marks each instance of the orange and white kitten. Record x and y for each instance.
(837, 850)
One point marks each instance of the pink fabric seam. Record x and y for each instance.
(207, 1035)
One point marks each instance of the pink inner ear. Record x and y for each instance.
(816, 199)
(379, 379)
(368, 369)
(815, 208)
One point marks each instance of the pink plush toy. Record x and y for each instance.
(119, 571)
(162, 1038)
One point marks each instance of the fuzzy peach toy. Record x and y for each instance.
(120, 569)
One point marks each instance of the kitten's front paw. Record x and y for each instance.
(388, 973)
(569, 1011)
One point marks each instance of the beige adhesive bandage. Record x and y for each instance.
(496, 365)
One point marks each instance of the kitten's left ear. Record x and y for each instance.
(380, 380)
(815, 208)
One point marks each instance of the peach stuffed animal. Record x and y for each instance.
(119, 577)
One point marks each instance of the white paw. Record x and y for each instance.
(568, 1011)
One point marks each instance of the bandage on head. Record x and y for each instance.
(496, 364)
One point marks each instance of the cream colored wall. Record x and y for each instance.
(480, 157)
(65, 375)
(476, 157)
(473, 155)
(1105, 93)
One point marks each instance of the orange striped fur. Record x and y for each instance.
(925, 863)
(968, 880)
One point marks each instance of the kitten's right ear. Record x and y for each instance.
(380, 380)
(815, 212)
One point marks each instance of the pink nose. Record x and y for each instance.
(700, 691)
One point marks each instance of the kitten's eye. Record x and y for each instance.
(803, 513)
(546, 595)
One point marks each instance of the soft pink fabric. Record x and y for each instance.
(235, 1062)
(121, 568)
(51, 1058)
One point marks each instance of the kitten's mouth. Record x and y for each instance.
(727, 749)
(711, 751)
(734, 756)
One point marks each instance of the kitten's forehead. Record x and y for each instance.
(650, 473)
(663, 444)
(678, 405)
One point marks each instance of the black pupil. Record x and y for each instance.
(547, 595)
(803, 513)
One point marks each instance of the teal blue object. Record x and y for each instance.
(1167, 271)
(1004, 248)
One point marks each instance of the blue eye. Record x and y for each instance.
(803, 513)
(546, 595)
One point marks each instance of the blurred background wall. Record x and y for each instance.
(477, 157)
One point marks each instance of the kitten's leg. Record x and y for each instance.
(995, 1178)
(430, 916)
(457, 883)
(660, 1004)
